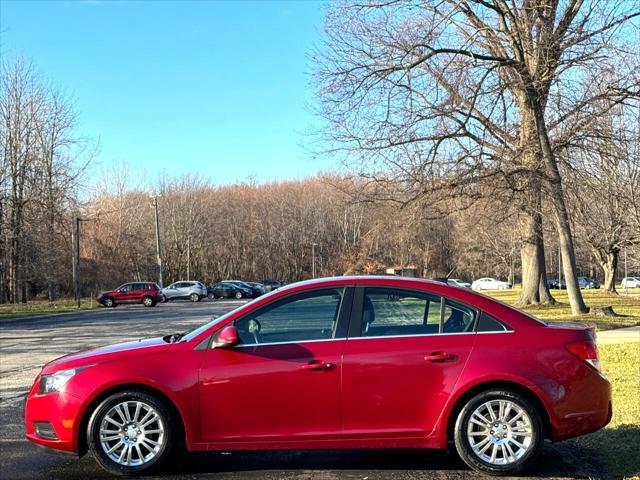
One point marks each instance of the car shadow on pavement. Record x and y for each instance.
(568, 461)
(22, 460)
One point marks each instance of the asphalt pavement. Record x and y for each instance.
(27, 343)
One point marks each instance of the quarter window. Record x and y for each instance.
(305, 317)
(486, 323)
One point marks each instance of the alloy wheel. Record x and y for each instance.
(499, 432)
(132, 433)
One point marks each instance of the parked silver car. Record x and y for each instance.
(186, 289)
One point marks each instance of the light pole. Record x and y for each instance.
(313, 260)
(154, 204)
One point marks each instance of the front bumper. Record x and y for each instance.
(60, 410)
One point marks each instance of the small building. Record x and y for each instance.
(408, 271)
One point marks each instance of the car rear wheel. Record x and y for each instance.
(499, 432)
(131, 432)
(238, 295)
(108, 302)
(148, 302)
(194, 297)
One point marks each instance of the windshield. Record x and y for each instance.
(202, 328)
(194, 333)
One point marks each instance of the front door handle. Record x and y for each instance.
(439, 357)
(318, 366)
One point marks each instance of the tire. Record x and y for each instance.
(211, 296)
(164, 299)
(238, 295)
(527, 431)
(109, 303)
(147, 457)
(194, 297)
(148, 302)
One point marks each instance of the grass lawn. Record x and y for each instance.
(626, 305)
(43, 307)
(617, 447)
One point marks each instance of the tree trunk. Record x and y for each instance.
(608, 261)
(563, 226)
(534, 280)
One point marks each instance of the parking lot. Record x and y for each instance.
(26, 344)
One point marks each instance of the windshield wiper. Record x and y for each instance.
(173, 338)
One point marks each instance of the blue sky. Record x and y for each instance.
(219, 89)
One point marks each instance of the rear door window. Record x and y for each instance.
(399, 312)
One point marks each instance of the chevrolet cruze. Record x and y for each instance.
(348, 362)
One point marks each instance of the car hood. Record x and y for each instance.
(110, 352)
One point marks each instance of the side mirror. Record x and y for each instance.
(228, 337)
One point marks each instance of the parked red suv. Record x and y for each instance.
(146, 293)
(346, 362)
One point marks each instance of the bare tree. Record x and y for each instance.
(604, 181)
(452, 94)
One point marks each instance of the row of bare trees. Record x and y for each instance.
(260, 231)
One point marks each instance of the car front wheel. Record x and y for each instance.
(238, 295)
(108, 302)
(131, 433)
(499, 432)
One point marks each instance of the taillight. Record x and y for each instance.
(586, 351)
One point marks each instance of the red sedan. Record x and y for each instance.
(348, 362)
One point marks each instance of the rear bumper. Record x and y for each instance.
(586, 409)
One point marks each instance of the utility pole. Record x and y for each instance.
(313, 260)
(75, 257)
(75, 241)
(155, 208)
(189, 257)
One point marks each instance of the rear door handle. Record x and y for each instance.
(439, 357)
(318, 366)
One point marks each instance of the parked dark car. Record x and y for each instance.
(588, 282)
(256, 288)
(556, 284)
(146, 293)
(272, 284)
(228, 289)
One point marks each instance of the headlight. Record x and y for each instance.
(55, 382)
